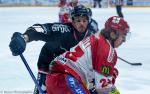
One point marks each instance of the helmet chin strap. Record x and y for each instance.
(113, 37)
(112, 42)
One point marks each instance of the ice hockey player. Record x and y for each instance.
(60, 37)
(62, 3)
(119, 4)
(65, 14)
(89, 67)
(97, 2)
(65, 11)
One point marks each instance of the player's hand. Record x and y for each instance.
(17, 44)
(114, 91)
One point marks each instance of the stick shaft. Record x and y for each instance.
(129, 62)
(31, 74)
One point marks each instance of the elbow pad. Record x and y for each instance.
(34, 32)
(40, 28)
(43, 28)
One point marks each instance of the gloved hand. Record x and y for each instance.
(114, 91)
(17, 44)
(41, 80)
(115, 75)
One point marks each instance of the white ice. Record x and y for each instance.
(15, 77)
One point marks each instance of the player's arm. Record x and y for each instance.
(36, 32)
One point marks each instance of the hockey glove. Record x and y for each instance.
(17, 44)
(114, 76)
(114, 91)
(41, 80)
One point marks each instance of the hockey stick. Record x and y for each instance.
(31, 74)
(134, 64)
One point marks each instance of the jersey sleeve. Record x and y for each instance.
(46, 32)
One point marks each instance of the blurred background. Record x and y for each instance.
(104, 3)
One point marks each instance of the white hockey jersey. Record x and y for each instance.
(92, 62)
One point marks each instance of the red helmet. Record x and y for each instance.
(117, 23)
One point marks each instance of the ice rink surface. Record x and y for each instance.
(131, 80)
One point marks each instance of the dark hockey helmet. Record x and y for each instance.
(80, 10)
(90, 11)
(117, 23)
(74, 1)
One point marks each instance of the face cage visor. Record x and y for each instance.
(127, 34)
